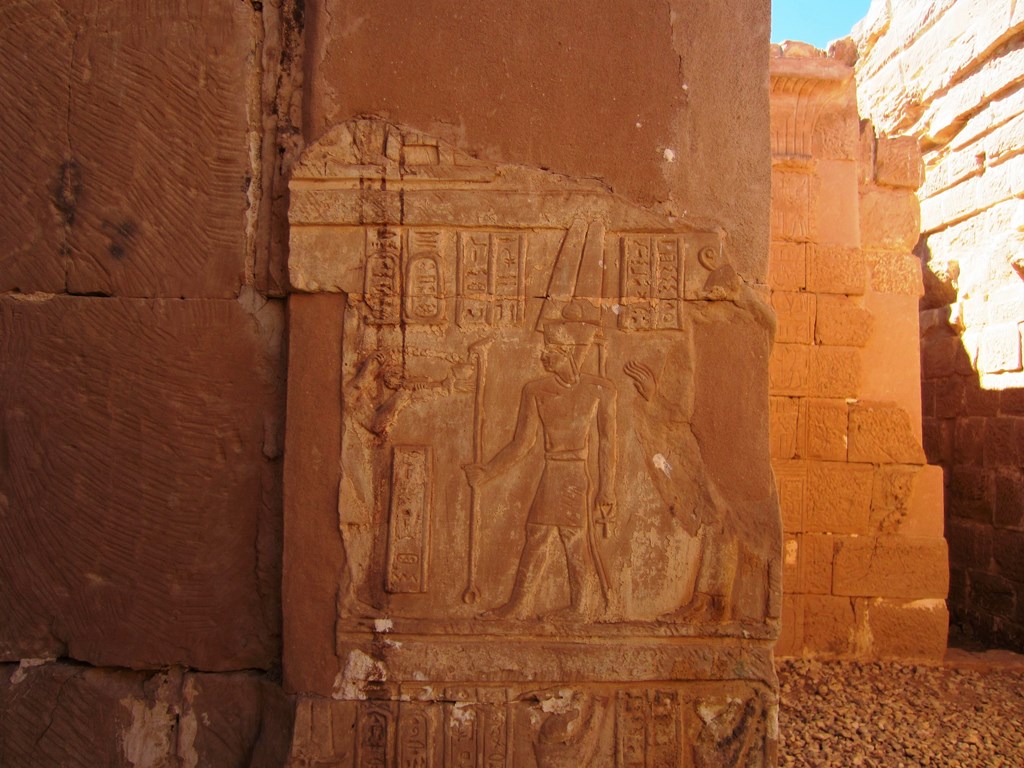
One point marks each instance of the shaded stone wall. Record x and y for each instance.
(141, 381)
(865, 562)
(951, 74)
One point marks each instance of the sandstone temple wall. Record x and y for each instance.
(142, 381)
(951, 74)
(865, 562)
(143, 315)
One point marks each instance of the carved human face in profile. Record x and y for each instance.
(557, 359)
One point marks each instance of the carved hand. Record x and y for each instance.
(475, 474)
(643, 378)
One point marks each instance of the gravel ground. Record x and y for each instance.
(969, 712)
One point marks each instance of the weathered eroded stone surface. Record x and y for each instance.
(540, 538)
(846, 435)
(951, 74)
(137, 498)
(72, 715)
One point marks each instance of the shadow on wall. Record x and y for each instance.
(977, 436)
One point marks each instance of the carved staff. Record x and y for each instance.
(478, 351)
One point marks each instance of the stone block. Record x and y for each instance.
(972, 493)
(890, 219)
(979, 401)
(789, 369)
(1005, 305)
(970, 544)
(836, 269)
(63, 714)
(938, 440)
(1000, 349)
(790, 640)
(881, 433)
(140, 524)
(835, 212)
(1001, 442)
(841, 321)
(792, 580)
(787, 266)
(829, 625)
(817, 555)
(926, 510)
(792, 485)
(837, 130)
(891, 566)
(839, 498)
(40, 183)
(1008, 553)
(835, 372)
(1011, 402)
(898, 163)
(823, 429)
(949, 397)
(969, 441)
(895, 273)
(784, 418)
(795, 315)
(991, 593)
(158, 126)
(795, 196)
(890, 497)
(943, 356)
(485, 107)
(1009, 496)
(908, 630)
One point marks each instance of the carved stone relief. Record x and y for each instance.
(519, 463)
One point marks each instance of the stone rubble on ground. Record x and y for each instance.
(890, 714)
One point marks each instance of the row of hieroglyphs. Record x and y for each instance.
(702, 725)
(407, 272)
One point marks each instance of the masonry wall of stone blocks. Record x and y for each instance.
(952, 75)
(865, 561)
(142, 381)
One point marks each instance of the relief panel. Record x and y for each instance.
(524, 482)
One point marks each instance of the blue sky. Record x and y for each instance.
(815, 21)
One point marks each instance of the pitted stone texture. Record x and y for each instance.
(138, 502)
(61, 714)
(139, 185)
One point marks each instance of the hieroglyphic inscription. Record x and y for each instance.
(411, 470)
(415, 736)
(461, 729)
(648, 731)
(792, 487)
(791, 206)
(651, 282)
(424, 277)
(494, 730)
(495, 726)
(491, 279)
(664, 731)
(631, 730)
(373, 745)
(383, 276)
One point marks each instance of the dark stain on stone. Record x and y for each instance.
(121, 235)
(66, 189)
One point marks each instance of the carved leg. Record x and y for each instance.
(577, 560)
(530, 563)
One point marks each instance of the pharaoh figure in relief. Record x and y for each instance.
(519, 460)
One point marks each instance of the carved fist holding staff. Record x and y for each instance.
(561, 406)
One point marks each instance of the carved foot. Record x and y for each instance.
(353, 606)
(702, 607)
(506, 611)
(570, 613)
